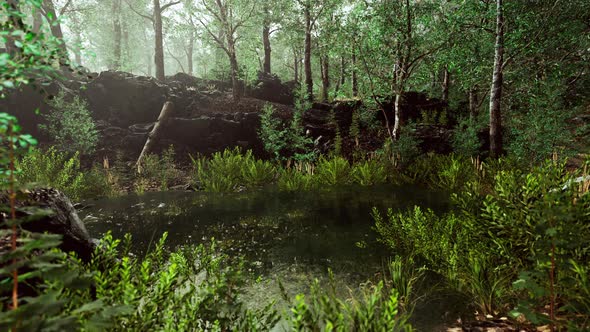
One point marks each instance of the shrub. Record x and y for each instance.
(369, 172)
(286, 142)
(70, 125)
(404, 149)
(34, 259)
(465, 138)
(540, 131)
(161, 170)
(258, 172)
(271, 133)
(192, 288)
(527, 227)
(452, 172)
(61, 171)
(291, 179)
(375, 310)
(355, 131)
(337, 145)
(223, 172)
(334, 171)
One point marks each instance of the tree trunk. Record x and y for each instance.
(325, 77)
(307, 56)
(126, 50)
(17, 24)
(445, 85)
(473, 102)
(235, 81)
(37, 20)
(159, 47)
(117, 32)
(189, 53)
(295, 65)
(153, 136)
(78, 48)
(497, 81)
(55, 26)
(149, 65)
(342, 79)
(355, 83)
(266, 40)
(395, 134)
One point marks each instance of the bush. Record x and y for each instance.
(529, 228)
(286, 142)
(70, 125)
(161, 170)
(334, 171)
(540, 131)
(375, 310)
(61, 171)
(271, 132)
(369, 172)
(404, 149)
(291, 179)
(465, 139)
(223, 172)
(258, 172)
(193, 288)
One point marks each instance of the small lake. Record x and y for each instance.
(291, 236)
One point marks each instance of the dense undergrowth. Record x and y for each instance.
(516, 241)
(234, 170)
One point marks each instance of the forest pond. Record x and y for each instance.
(291, 236)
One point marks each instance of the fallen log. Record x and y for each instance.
(62, 219)
(153, 136)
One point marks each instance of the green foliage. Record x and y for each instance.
(293, 179)
(355, 127)
(35, 260)
(61, 171)
(226, 170)
(440, 172)
(192, 288)
(375, 310)
(70, 125)
(526, 227)
(35, 54)
(465, 138)
(161, 170)
(12, 143)
(337, 148)
(334, 171)
(405, 277)
(53, 308)
(258, 172)
(404, 149)
(534, 136)
(271, 132)
(369, 172)
(453, 172)
(285, 142)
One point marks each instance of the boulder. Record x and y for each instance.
(123, 99)
(270, 88)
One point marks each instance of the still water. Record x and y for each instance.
(292, 236)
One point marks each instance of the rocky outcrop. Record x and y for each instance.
(434, 138)
(62, 219)
(270, 88)
(206, 119)
(124, 99)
